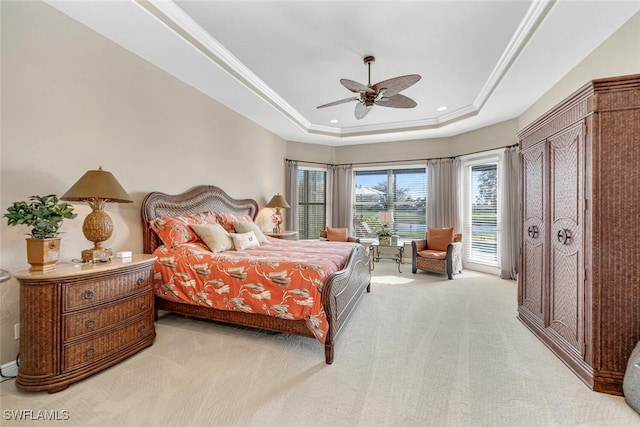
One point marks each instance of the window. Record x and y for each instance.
(311, 202)
(401, 191)
(481, 213)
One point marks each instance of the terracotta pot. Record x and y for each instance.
(43, 254)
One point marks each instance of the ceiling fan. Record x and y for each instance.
(385, 93)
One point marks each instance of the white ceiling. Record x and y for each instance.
(275, 61)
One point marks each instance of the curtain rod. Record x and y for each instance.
(402, 161)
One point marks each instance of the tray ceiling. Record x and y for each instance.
(274, 62)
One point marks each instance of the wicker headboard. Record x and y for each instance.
(204, 198)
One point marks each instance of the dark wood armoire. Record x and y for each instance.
(579, 279)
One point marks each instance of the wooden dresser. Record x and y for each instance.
(579, 279)
(79, 319)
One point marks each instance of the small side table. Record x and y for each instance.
(393, 252)
(285, 235)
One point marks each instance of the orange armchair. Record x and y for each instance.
(337, 235)
(440, 251)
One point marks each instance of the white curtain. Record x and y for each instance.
(509, 232)
(291, 194)
(339, 193)
(444, 193)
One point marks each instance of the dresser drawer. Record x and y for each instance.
(92, 292)
(85, 322)
(85, 352)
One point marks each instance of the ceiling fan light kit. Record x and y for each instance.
(385, 93)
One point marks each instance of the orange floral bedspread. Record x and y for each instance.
(282, 278)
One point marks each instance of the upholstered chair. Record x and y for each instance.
(337, 235)
(440, 251)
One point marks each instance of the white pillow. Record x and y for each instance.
(246, 226)
(243, 241)
(214, 236)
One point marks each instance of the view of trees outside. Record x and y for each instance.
(399, 191)
(484, 213)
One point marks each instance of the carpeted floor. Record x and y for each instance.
(420, 350)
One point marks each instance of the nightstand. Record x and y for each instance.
(78, 319)
(286, 235)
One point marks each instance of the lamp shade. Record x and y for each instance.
(97, 184)
(278, 201)
(385, 217)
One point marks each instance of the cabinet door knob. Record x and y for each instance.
(563, 236)
(89, 323)
(89, 351)
(89, 293)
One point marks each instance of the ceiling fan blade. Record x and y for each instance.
(396, 84)
(342, 101)
(362, 110)
(396, 101)
(356, 87)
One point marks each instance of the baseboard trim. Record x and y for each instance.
(9, 370)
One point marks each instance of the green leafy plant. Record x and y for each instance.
(42, 213)
(383, 231)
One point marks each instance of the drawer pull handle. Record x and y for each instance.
(140, 281)
(89, 323)
(88, 352)
(142, 305)
(532, 231)
(141, 328)
(89, 294)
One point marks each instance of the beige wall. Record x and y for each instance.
(311, 152)
(487, 138)
(619, 55)
(73, 100)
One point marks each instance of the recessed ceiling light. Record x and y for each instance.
(442, 108)
(333, 121)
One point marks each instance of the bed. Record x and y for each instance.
(338, 292)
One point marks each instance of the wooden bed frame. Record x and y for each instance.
(340, 294)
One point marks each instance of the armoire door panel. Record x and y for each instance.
(533, 276)
(566, 304)
(534, 229)
(564, 309)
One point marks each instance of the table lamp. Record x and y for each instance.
(385, 218)
(278, 202)
(97, 187)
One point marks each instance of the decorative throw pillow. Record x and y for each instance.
(439, 238)
(226, 219)
(337, 234)
(176, 230)
(243, 241)
(246, 226)
(214, 236)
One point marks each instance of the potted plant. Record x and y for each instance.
(44, 215)
(384, 235)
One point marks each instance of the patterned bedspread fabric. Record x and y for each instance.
(282, 278)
